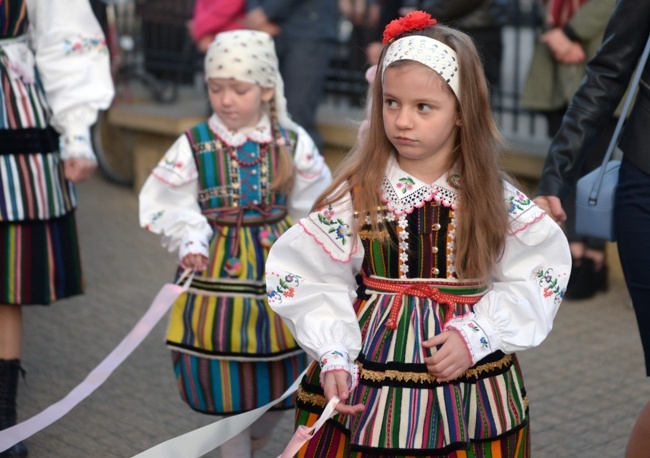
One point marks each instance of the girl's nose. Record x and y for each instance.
(403, 120)
(226, 98)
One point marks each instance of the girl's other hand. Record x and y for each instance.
(335, 383)
(451, 360)
(196, 262)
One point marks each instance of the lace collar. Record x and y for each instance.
(402, 192)
(260, 133)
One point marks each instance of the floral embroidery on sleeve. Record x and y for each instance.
(336, 225)
(170, 164)
(154, 218)
(335, 360)
(286, 287)
(84, 44)
(518, 202)
(549, 284)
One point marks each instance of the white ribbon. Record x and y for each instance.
(160, 305)
(205, 439)
(193, 444)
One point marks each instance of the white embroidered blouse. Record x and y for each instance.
(168, 199)
(66, 44)
(516, 313)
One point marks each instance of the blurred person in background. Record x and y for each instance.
(55, 76)
(210, 17)
(305, 43)
(573, 32)
(483, 21)
(607, 78)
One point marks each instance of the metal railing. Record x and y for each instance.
(346, 84)
(169, 54)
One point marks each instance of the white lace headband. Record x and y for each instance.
(428, 51)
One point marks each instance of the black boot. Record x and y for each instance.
(9, 371)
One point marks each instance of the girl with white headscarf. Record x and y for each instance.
(219, 198)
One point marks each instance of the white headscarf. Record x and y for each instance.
(248, 56)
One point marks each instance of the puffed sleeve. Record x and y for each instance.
(312, 176)
(527, 285)
(310, 274)
(169, 206)
(73, 64)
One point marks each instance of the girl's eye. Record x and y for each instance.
(424, 107)
(390, 103)
(215, 89)
(241, 91)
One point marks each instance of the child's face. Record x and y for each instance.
(236, 103)
(420, 118)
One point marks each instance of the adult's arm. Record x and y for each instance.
(607, 78)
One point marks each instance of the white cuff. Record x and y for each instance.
(337, 360)
(75, 143)
(474, 332)
(192, 244)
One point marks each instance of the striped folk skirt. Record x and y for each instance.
(231, 352)
(483, 413)
(39, 261)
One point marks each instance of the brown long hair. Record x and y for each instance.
(284, 176)
(482, 218)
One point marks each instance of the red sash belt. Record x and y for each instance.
(417, 289)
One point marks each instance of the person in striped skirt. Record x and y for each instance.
(220, 197)
(54, 77)
(421, 270)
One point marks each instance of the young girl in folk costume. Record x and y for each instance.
(221, 195)
(421, 270)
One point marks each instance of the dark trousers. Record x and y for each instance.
(632, 228)
(304, 65)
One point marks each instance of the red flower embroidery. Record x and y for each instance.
(416, 20)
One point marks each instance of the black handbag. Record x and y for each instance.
(596, 190)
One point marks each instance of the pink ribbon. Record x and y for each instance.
(304, 433)
(160, 305)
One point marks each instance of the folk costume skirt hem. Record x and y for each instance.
(227, 387)
(39, 261)
(333, 440)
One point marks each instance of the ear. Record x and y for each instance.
(459, 122)
(267, 94)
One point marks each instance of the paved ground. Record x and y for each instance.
(586, 383)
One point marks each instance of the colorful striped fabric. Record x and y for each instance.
(32, 184)
(40, 261)
(225, 315)
(39, 255)
(232, 353)
(483, 413)
(13, 18)
(230, 387)
(224, 182)
(33, 187)
(23, 102)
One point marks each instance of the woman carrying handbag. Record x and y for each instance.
(608, 76)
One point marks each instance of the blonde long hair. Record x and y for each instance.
(482, 218)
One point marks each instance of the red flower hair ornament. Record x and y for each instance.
(417, 20)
